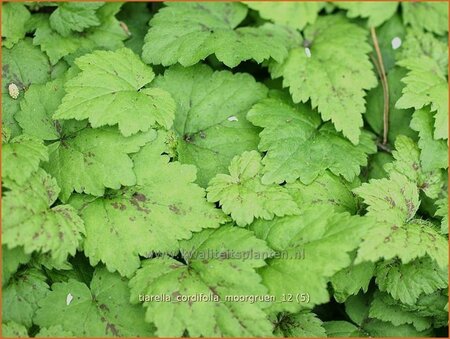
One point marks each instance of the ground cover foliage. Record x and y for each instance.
(264, 169)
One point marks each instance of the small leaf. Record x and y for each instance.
(243, 195)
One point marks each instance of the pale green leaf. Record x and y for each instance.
(324, 237)
(378, 328)
(103, 154)
(54, 332)
(426, 85)
(242, 194)
(21, 157)
(210, 117)
(69, 17)
(422, 44)
(186, 33)
(109, 91)
(306, 148)
(394, 200)
(292, 14)
(406, 282)
(109, 35)
(351, 280)
(163, 207)
(299, 325)
(101, 310)
(433, 153)
(21, 296)
(393, 203)
(14, 330)
(326, 189)
(407, 162)
(29, 221)
(23, 65)
(431, 16)
(384, 308)
(433, 305)
(442, 211)
(375, 12)
(333, 75)
(213, 273)
(14, 17)
(11, 261)
(341, 328)
(37, 108)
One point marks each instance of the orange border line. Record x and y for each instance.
(1, 84)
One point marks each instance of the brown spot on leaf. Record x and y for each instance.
(175, 209)
(119, 206)
(139, 197)
(135, 199)
(390, 201)
(113, 329)
(104, 307)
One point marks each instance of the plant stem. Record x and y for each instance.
(384, 83)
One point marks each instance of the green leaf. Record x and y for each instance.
(210, 116)
(333, 75)
(303, 149)
(422, 44)
(340, 328)
(101, 310)
(393, 203)
(37, 108)
(11, 260)
(109, 91)
(14, 330)
(23, 65)
(442, 211)
(205, 29)
(378, 328)
(426, 85)
(135, 16)
(21, 158)
(433, 305)
(109, 35)
(407, 162)
(14, 18)
(69, 17)
(431, 16)
(357, 308)
(295, 15)
(351, 280)
(21, 296)
(54, 332)
(299, 325)
(102, 153)
(213, 270)
(163, 207)
(242, 194)
(433, 152)
(324, 237)
(406, 282)
(29, 221)
(385, 308)
(375, 12)
(326, 189)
